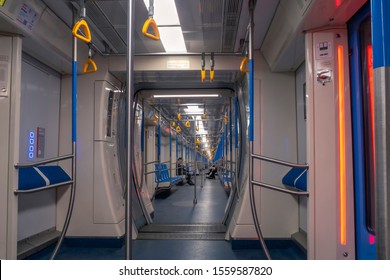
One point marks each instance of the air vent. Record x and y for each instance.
(232, 10)
(105, 17)
(211, 12)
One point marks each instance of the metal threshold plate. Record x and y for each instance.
(183, 231)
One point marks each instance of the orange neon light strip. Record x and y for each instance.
(370, 68)
(342, 160)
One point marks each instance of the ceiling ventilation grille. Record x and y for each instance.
(231, 16)
(211, 12)
(108, 16)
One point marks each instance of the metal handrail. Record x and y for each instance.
(280, 189)
(150, 172)
(277, 161)
(43, 188)
(151, 162)
(26, 165)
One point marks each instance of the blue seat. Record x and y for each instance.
(297, 178)
(227, 177)
(41, 176)
(163, 175)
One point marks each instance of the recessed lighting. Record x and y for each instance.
(184, 95)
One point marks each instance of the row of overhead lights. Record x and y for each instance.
(171, 34)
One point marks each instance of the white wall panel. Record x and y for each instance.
(40, 102)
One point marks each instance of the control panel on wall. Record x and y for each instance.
(106, 111)
(4, 69)
(36, 143)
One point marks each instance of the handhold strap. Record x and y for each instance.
(82, 24)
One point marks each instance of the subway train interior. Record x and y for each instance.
(205, 130)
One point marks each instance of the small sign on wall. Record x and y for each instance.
(40, 142)
(27, 16)
(323, 50)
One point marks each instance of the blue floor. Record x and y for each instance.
(174, 250)
(178, 207)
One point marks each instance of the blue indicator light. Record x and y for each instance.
(31, 146)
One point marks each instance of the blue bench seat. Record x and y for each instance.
(297, 178)
(40, 176)
(162, 175)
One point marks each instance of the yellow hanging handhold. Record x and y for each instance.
(197, 128)
(90, 64)
(150, 22)
(84, 26)
(203, 74)
(197, 141)
(179, 116)
(173, 123)
(212, 74)
(178, 129)
(188, 124)
(243, 67)
(153, 117)
(204, 116)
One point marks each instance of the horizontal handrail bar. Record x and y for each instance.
(151, 172)
(26, 165)
(281, 162)
(151, 162)
(279, 189)
(43, 188)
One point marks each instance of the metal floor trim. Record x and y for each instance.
(183, 231)
(180, 235)
(184, 228)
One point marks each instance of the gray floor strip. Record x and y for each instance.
(180, 235)
(177, 228)
(183, 231)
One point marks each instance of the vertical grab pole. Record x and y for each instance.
(130, 109)
(143, 144)
(170, 152)
(196, 165)
(251, 132)
(74, 149)
(381, 59)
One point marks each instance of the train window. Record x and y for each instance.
(368, 120)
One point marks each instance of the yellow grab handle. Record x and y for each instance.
(204, 116)
(188, 124)
(197, 128)
(84, 26)
(203, 74)
(153, 118)
(179, 116)
(243, 64)
(173, 123)
(90, 63)
(150, 22)
(212, 73)
(178, 129)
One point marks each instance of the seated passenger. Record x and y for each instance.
(212, 171)
(181, 170)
